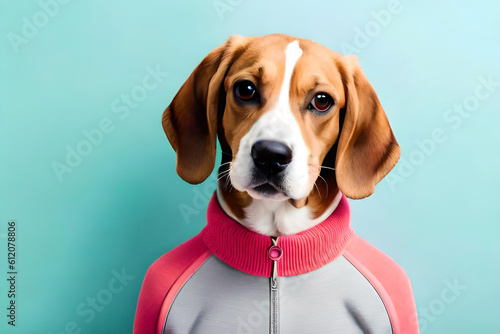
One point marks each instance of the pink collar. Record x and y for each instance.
(303, 252)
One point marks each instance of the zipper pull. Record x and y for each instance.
(275, 254)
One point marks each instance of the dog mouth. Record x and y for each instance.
(268, 190)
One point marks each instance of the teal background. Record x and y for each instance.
(119, 207)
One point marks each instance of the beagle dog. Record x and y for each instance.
(300, 129)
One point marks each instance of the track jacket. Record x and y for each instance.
(228, 279)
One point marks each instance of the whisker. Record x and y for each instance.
(227, 182)
(325, 184)
(325, 167)
(316, 186)
(223, 174)
(225, 163)
(227, 153)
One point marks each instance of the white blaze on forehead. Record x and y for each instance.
(279, 123)
(293, 53)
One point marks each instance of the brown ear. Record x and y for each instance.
(190, 121)
(367, 149)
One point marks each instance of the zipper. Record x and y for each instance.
(275, 253)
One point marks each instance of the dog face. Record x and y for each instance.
(276, 152)
(288, 112)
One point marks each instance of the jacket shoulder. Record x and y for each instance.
(389, 280)
(159, 279)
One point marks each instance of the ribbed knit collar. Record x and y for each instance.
(303, 252)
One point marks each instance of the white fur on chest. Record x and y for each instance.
(276, 218)
(281, 218)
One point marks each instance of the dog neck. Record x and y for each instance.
(275, 218)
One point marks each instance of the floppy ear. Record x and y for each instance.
(190, 121)
(367, 149)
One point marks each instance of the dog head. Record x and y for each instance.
(288, 113)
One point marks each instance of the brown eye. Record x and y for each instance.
(320, 103)
(245, 91)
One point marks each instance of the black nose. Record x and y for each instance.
(271, 157)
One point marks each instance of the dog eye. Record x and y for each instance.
(320, 103)
(245, 90)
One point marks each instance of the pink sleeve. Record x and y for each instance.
(390, 281)
(160, 278)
